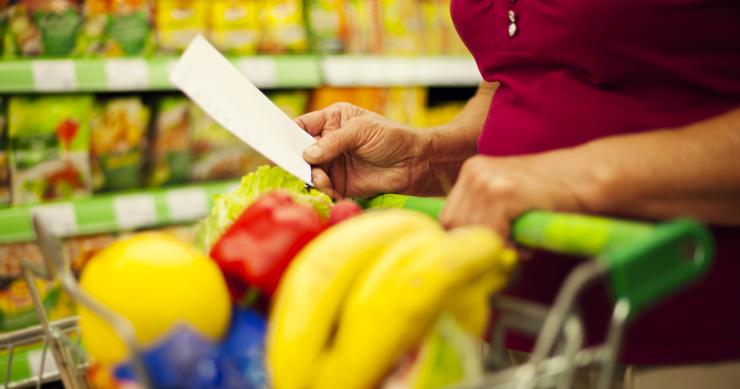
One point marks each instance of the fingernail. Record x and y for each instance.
(313, 152)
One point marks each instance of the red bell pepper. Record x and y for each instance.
(262, 242)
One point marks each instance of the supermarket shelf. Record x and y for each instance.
(113, 212)
(390, 71)
(289, 71)
(136, 74)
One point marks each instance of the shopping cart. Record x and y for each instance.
(641, 263)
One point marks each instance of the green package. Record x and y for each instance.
(325, 21)
(4, 172)
(169, 153)
(117, 138)
(46, 28)
(49, 152)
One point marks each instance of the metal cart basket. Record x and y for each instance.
(641, 263)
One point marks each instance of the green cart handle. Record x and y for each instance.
(645, 262)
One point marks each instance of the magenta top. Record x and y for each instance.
(579, 70)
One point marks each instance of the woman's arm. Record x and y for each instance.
(688, 171)
(448, 146)
(694, 170)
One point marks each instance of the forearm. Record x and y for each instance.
(448, 146)
(690, 171)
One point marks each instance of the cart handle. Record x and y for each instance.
(645, 262)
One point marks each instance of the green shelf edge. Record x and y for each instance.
(290, 71)
(97, 215)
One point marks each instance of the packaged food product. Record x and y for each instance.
(326, 20)
(90, 39)
(372, 99)
(284, 30)
(37, 27)
(4, 172)
(293, 103)
(118, 129)
(129, 30)
(115, 28)
(16, 306)
(407, 105)
(441, 114)
(363, 27)
(179, 21)
(49, 152)
(216, 153)
(235, 27)
(170, 142)
(401, 26)
(3, 23)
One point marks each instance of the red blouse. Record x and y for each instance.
(579, 70)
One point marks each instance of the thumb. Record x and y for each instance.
(332, 144)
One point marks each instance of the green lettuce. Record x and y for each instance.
(227, 207)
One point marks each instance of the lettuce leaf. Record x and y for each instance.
(227, 207)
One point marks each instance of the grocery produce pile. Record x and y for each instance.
(288, 289)
(114, 28)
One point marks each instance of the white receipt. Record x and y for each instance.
(218, 87)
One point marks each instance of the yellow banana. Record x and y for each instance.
(309, 297)
(396, 302)
(470, 305)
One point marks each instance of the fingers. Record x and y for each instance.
(332, 144)
(327, 119)
(322, 182)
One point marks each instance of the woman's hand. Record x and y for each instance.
(494, 191)
(361, 154)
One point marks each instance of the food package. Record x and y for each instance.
(49, 152)
(16, 306)
(115, 28)
(401, 26)
(91, 36)
(4, 172)
(363, 27)
(118, 134)
(407, 105)
(129, 31)
(326, 20)
(235, 26)
(179, 21)
(170, 142)
(442, 114)
(283, 26)
(216, 153)
(38, 27)
(372, 99)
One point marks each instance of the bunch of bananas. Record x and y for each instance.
(367, 291)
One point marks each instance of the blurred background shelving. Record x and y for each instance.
(94, 136)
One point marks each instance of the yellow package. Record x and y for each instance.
(444, 113)
(407, 105)
(235, 26)
(401, 21)
(179, 21)
(284, 31)
(363, 27)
